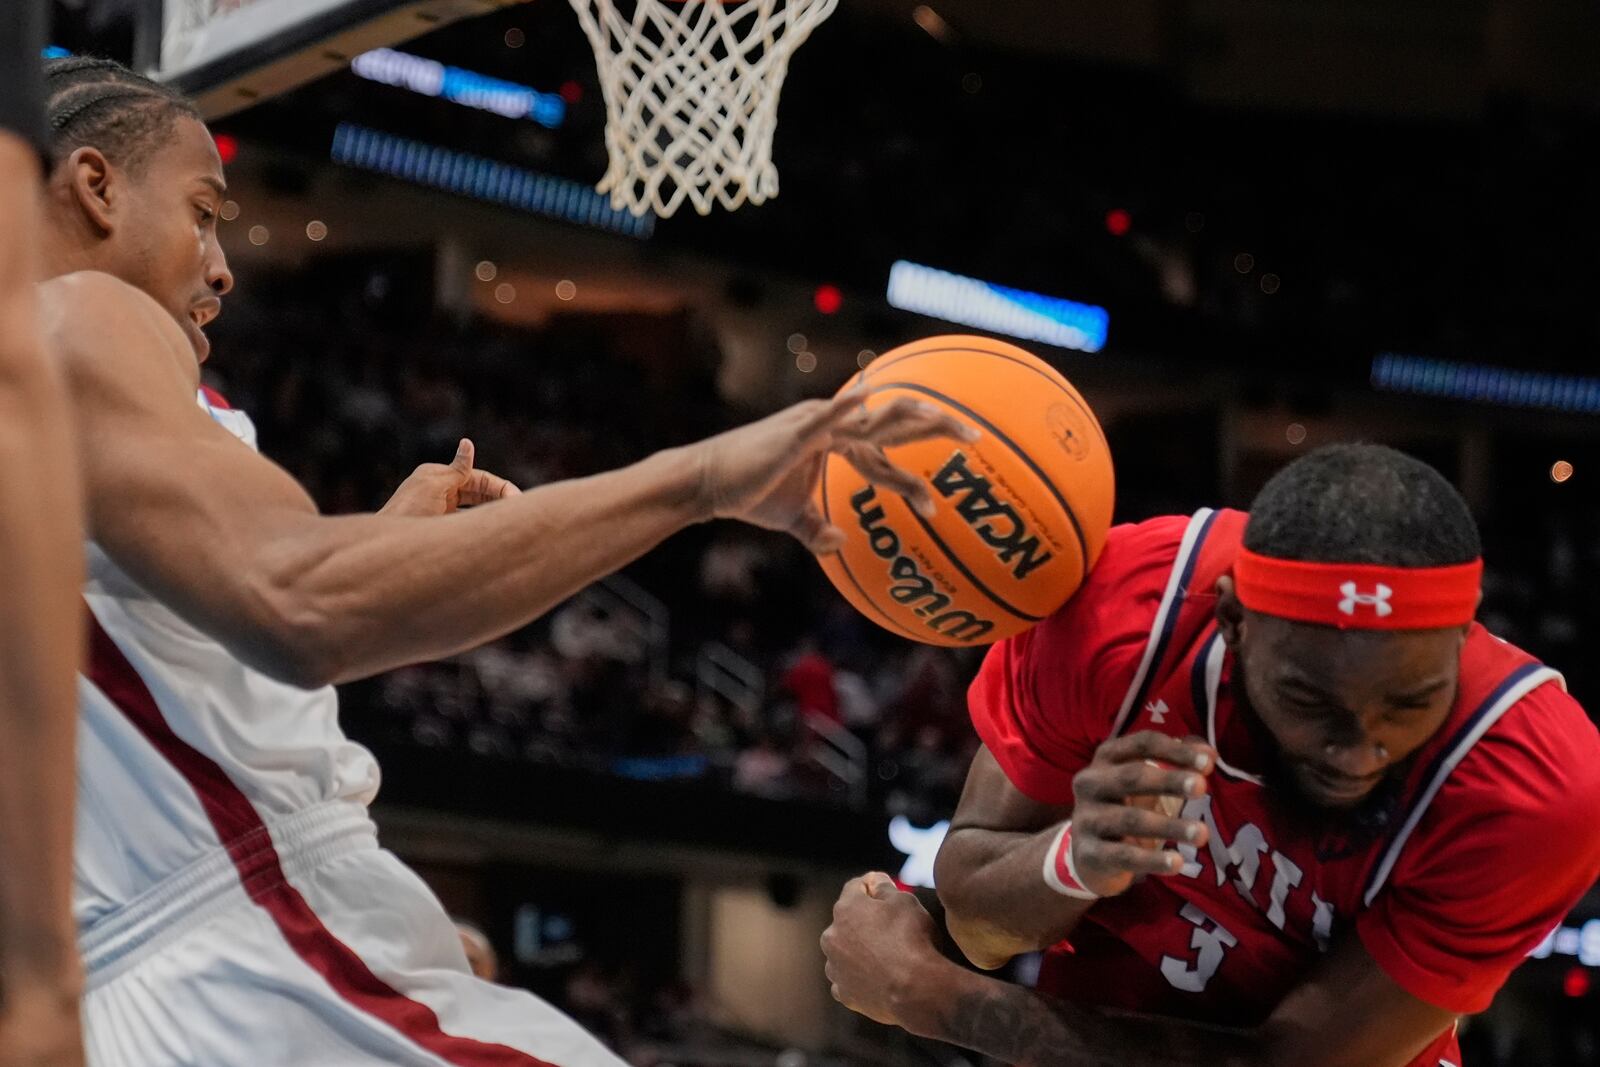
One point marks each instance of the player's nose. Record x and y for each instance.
(218, 277)
(1359, 756)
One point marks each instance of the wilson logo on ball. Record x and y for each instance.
(994, 520)
(909, 584)
(1020, 513)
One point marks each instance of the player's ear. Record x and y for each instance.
(89, 179)
(1230, 613)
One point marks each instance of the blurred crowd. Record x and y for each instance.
(722, 656)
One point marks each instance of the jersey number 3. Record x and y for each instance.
(1210, 940)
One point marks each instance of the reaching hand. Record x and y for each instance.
(766, 472)
(440, 488)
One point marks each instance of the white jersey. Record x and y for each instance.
(170, 719)
(233, 904)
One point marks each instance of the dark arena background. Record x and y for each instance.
(1305, 220)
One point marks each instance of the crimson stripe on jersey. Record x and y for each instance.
(215, 399)
(239, 826)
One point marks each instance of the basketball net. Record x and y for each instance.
(691, 90)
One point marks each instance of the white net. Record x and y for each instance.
(691, 91)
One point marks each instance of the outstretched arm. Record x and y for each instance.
(228, 540)
(41, 547)
(883, 964)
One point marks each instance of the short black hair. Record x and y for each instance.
(90, 101)
(1362, 503)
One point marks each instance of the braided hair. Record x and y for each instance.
(97, 102)
(1362, 503)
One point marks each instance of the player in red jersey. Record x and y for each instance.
(1263, 782)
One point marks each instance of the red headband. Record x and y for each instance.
(1359, 596)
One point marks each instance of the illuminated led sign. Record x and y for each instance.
(483, 179)
(465, 87)
(998, 308)
(1488, 385)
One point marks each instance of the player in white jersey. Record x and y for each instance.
(234, 907)
(40, 571)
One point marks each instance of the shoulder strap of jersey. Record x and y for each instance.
(1494, 676)
(1210, 541)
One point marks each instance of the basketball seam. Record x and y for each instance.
(1083, 547)
(1068, 392)
(962, 567)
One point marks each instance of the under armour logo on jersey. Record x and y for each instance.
(1378, 601)
(1158, 712)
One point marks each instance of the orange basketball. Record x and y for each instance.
(1021, 514)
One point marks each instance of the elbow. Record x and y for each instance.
(304, 670)
(985, 945)
(293, 644)
(952, 874)
(979, 940)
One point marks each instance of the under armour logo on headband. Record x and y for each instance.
(1334, 594)
(1378, 601)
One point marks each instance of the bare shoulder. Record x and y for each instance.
(99, 326)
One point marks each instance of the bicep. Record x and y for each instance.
(992, 816)
(989, 801)
(183, 506)
(1350, 1013)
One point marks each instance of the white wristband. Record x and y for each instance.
(1060, 873)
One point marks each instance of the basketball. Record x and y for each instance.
(1021, 514)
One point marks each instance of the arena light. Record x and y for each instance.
(1580, 941)
(1484, 384)
(1575, 983)
(998, 308)
(483, 179)
(468, 88)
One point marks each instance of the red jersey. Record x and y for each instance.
(1493, 837)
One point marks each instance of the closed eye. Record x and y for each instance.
(1310, 708)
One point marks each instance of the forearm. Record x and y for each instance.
(997, 904)
(41, 551)
(376, 592)
(1023, 1028)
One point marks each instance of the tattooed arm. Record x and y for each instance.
(1028, 1029)
(883, 964)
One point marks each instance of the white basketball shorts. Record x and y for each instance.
(308, 945)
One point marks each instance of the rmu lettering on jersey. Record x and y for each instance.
(909, 584)
(1239, 861)
(994, 520)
